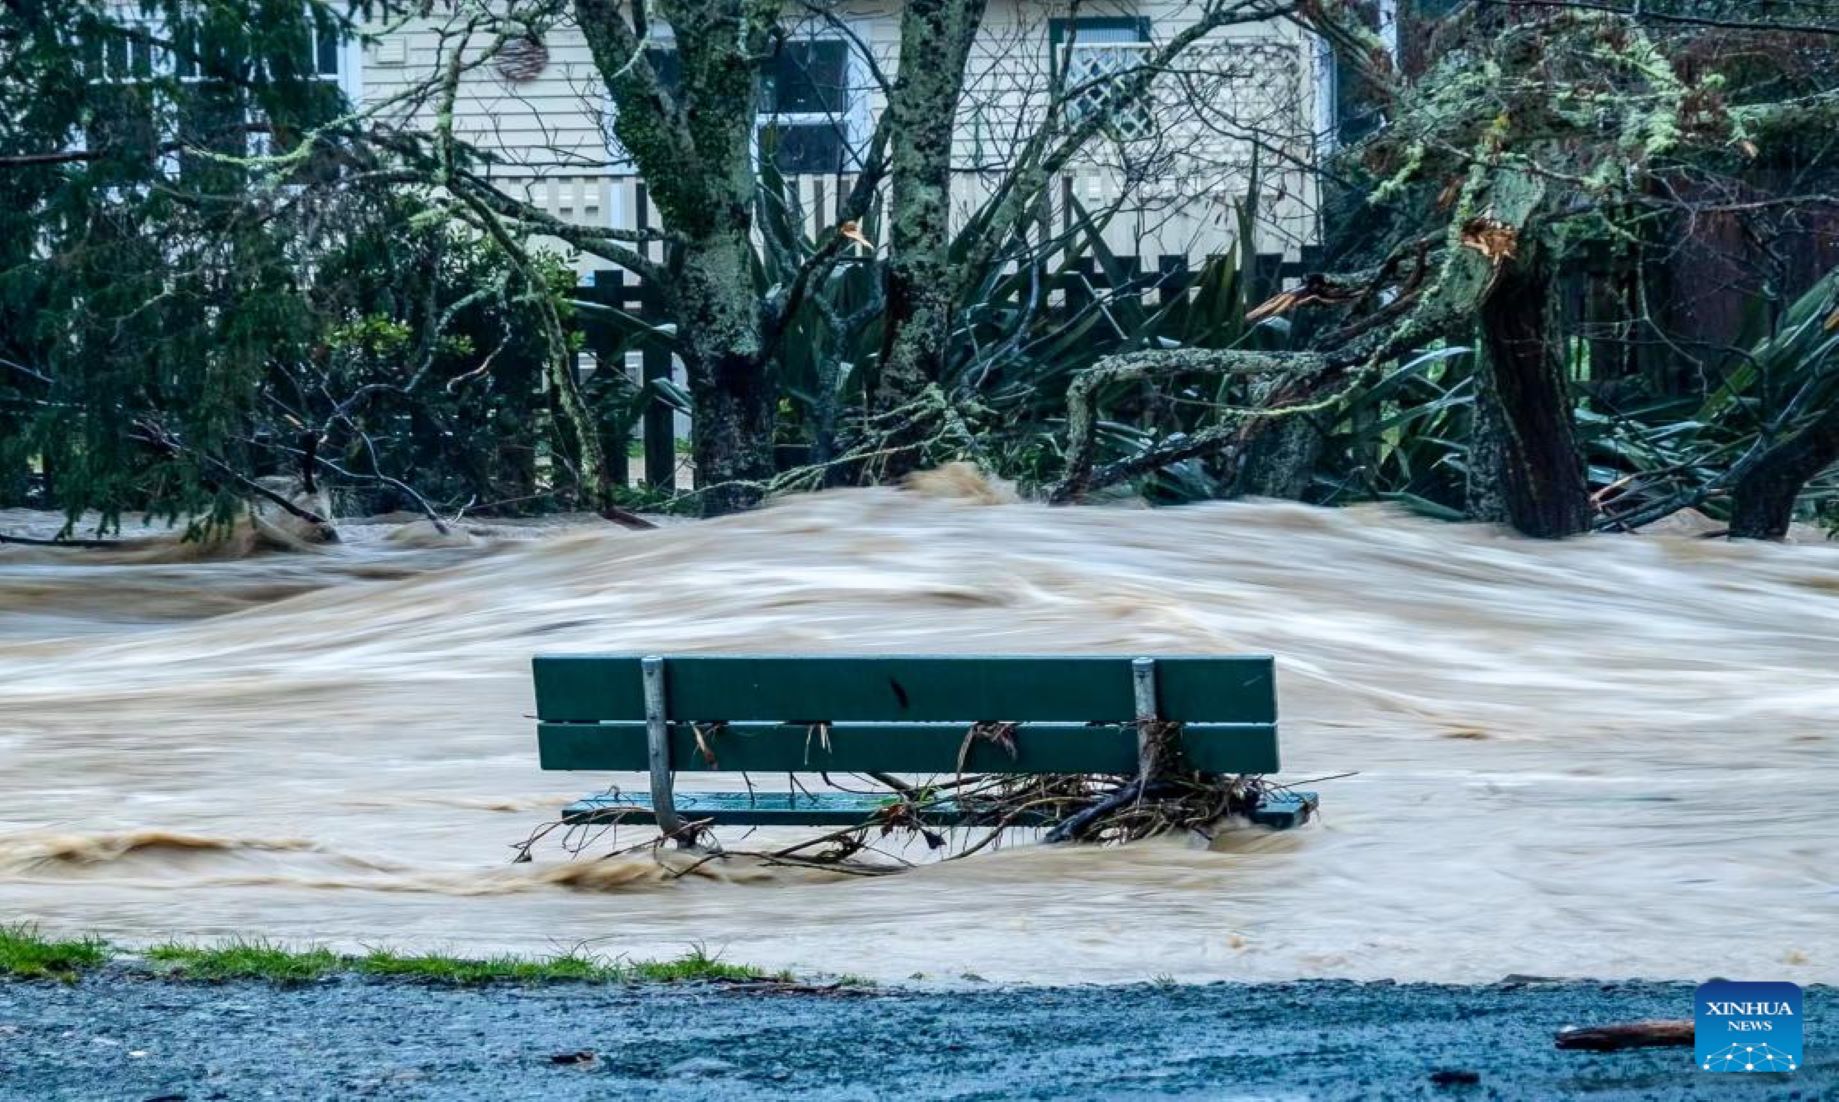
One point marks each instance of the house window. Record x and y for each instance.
(804, 111)
(322, 55)
(217, 114)
(1348, 106)
(123, 114)
(186, 94)
(125, 57)
(809, 114)
(328, 53)
(132, 56)
(1098, 54)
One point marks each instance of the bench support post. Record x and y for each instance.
(1143, 681)
(657, 738)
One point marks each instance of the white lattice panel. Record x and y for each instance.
(1098, 77)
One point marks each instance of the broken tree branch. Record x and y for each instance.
(1617, 1036)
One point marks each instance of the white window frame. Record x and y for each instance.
(853, 119)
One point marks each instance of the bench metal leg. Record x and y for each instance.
(1143, 680)
(657, 737)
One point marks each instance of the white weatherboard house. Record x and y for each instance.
(1168, 176)
(1256, 89)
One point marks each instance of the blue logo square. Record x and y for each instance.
(1747, 1026)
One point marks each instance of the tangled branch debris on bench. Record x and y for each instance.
(1069, 808)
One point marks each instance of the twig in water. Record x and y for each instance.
(32, 541)
(1647, 1033)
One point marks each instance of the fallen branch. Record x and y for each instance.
(1073, 828)
(626, 518)
(154, 434)
(32, 541)
(1647, 1033)
(1142, 366)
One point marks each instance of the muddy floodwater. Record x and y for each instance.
(1609, 757)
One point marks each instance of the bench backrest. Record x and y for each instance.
(902, 713)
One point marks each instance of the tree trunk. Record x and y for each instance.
(1280, 452)
(1280, 461)
(731, 434)
(935, 40)
(1763, 504)
(694, 146)
(1524, 469)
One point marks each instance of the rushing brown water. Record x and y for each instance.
(1607, 757)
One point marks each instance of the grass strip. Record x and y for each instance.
(264, 960)
(28, 955)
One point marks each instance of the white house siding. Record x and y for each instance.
(1188, 164)
(552, 133)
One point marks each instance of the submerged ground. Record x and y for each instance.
(115, 1037)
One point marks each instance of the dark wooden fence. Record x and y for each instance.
(1154, 281)
(657, 428)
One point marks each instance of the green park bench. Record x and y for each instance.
(885, 715)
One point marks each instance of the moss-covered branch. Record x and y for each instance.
(1082, 414)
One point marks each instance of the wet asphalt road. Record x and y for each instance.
(124, 1036)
